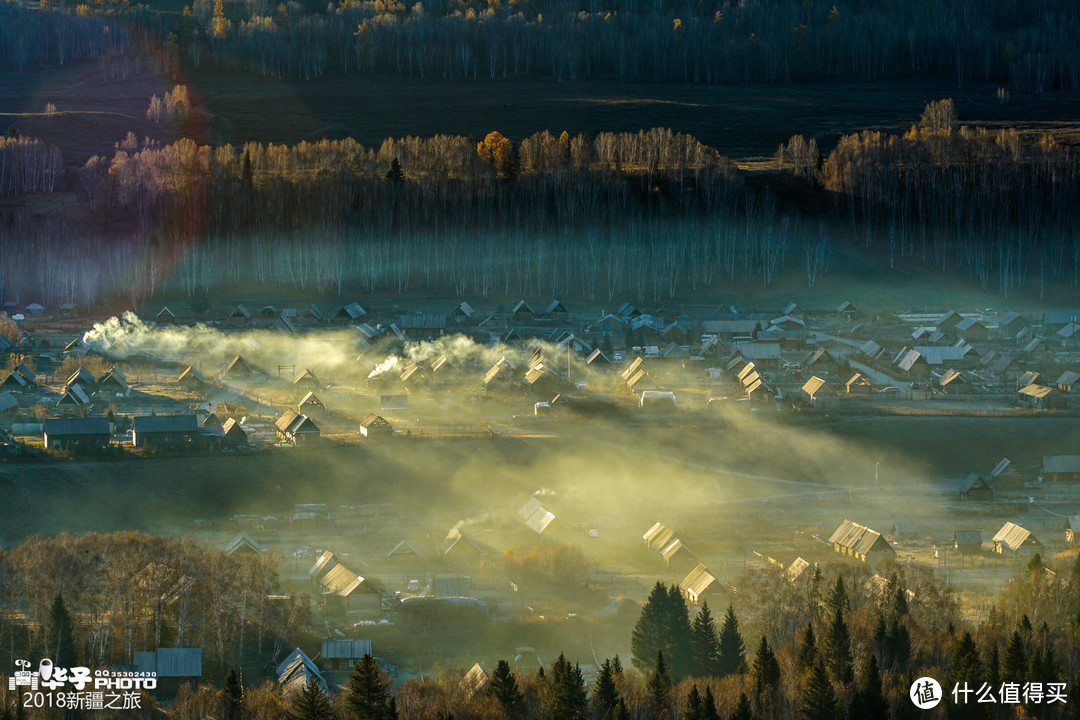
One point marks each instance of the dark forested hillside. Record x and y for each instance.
(1028, 47)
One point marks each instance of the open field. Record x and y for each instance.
(739, 121)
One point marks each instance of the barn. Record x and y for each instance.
(77, 433)
(297, 429)
(374, 426)
(1061, 468)
(861, 542)
(164, 430)
(1015, 541)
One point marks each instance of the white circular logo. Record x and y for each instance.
(925, 693)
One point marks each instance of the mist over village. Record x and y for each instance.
(539, 360)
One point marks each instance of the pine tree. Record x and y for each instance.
(232, 693)
(732, 650)
(868, 702)
(605, 692)
(368, 694)
(709, 706)
(569, 700)
(310, 703)
(965, 670)
(904, 709)
(395, 174)
(664, 626)
(503, 687)
(838, 649)
(618, 712)
(900, 603)
(1014, 665)
(898, 643)
(648, 637)
(678, 648)
(245, 167)
(766, 670)
(60, 635)
(838, 599)
(694, 708)
(659, 685)
(993, 666)
(704, 645)
(818, 698)
(743, 710)
(807, 654)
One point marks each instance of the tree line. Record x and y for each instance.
(1028, 47)
(991, 204)
(645, 215)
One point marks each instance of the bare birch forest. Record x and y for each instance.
(647, 215)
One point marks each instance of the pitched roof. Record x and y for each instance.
(474, 680)
(531, 506)
(463, 308)
(952, 375)
(453, 539)
(8, 402)
(238, 363)
(345, 648)
(1061, 463)
(164, 423)
(305, 374)
(74, 394)
(1037, 391)
(858, 538)
(442, 363)
(291, 422)
(232, 427)
(1068, 378)
(310, 399)
(655, 532)
(1013, 536)
(372, 420)
(1069, 330)
(795, 570)
(940, 355)
(353, 311)
(190, 373)
(819, 355)
(814, 386)
(422, 321)
(697, 581)
(857, 379)
(297, 671)
(597, 357)
(968, 323)
(674, 548)
(82, 375)
(76, 426)
(243, 542)
(539, 521)
(402, 548)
